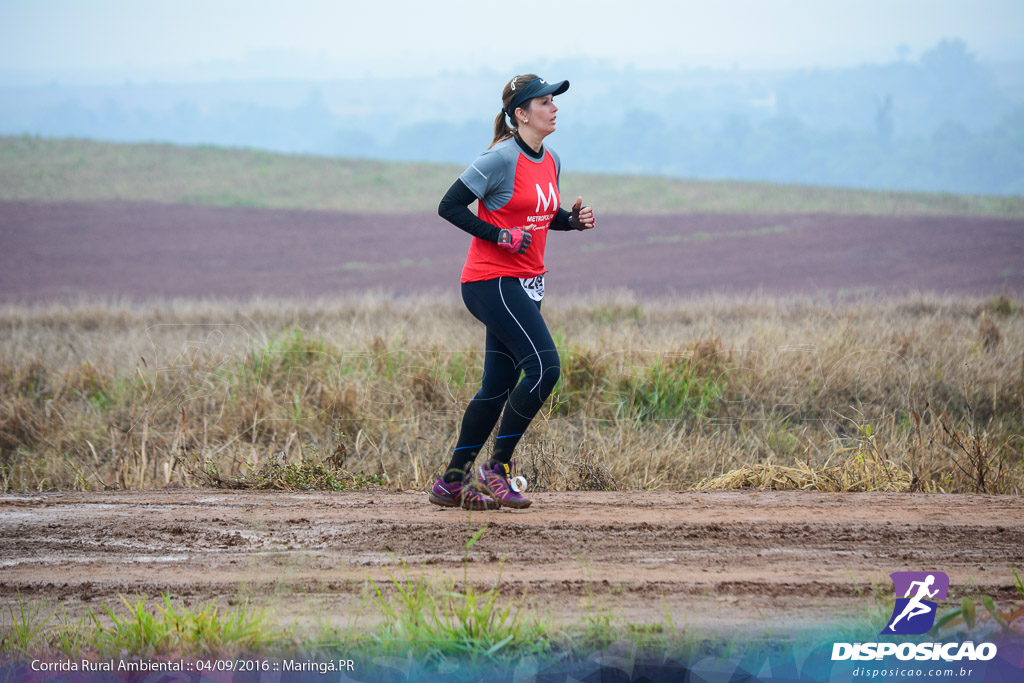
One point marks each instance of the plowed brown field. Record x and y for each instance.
(141, 250)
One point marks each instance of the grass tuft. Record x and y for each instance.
(27, 623)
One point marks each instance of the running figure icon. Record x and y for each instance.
(914, 613)
(915, 607)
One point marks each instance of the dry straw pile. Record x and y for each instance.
(855, 474)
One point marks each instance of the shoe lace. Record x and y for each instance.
(502, 473)
(506, 474)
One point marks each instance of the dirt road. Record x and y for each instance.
(720, 561)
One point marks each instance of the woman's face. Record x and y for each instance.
(540, 115)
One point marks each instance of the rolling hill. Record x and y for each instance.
(45, 169)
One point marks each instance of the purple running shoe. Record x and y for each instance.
(495, 477)
(460, 494)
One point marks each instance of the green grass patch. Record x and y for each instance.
(456, 623)
(26, 625)
(169, 629)
(440, 626)
(669, 390)
(135, 628)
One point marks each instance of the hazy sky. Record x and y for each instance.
(321, 38)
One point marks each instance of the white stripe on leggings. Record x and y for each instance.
(537, 353)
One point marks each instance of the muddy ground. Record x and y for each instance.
(722, 561)
(143, 250)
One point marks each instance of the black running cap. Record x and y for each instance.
(538, 87)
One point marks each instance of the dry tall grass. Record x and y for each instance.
(924, 393)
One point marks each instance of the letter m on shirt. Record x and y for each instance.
(551, 200)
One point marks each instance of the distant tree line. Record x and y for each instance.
(943, 122)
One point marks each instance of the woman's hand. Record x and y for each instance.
(582, 216)
(514, 241)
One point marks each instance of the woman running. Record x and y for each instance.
(515, 182)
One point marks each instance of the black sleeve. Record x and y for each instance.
(454, 208)
(561, 220)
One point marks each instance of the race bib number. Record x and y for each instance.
(534, 287)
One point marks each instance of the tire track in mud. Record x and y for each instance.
(791, 558)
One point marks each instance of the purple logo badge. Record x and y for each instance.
(916, 596)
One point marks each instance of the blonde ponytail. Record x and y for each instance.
(501, 130)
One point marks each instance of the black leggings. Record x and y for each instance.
(517, 341)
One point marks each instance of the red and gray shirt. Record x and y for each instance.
(515, 190)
